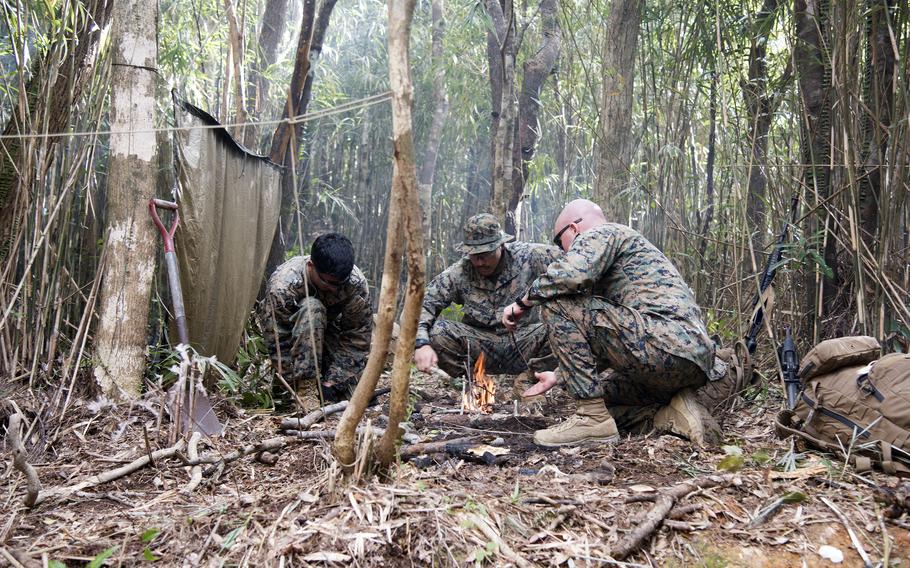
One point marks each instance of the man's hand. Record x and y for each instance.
(425, 358)
(511, 315)
(545, 381)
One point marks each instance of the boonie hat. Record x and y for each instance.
(482, 233)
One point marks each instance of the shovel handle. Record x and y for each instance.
(166, 234)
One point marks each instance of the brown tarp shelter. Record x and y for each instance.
(229, 202)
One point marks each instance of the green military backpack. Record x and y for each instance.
(854, 404)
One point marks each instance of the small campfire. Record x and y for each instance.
(479, 392)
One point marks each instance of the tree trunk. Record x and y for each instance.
(343, 447)
(614, 154)
(274, 21)
(813, 69)
(404, 183)
(440, 114)
(501, 58)
(287, 138)
(235, 37)
(760, 104)
(709, 171)
(536, 71)
(120, 341)
(879, 96)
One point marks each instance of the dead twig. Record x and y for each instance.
(192, 451)
(663, 504)
(867, 562)
(20, 459)
(18, 559)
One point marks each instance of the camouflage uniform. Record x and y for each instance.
(621, 321)
(341, 324)
(483, 299)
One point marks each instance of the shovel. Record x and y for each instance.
(192, 406)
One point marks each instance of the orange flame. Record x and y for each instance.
(479, 393)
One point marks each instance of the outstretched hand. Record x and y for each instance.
(511, 315)
(425, 359)
(545, 381)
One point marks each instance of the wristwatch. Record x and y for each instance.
(521, 304)
(420, 343)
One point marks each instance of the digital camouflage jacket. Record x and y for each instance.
(483, 299)
(618, 264)
(348, 313)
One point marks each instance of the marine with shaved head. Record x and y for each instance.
(626, 331)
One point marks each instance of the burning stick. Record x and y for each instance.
(479, 392)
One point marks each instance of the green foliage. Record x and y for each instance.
(482, 555)
(761, 457)
(515, 497)
(793, 497)
(733, 461)
(102, 556)
(250, 383)
(231, 537)
(453, 312)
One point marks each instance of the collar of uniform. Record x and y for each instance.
(507, 274)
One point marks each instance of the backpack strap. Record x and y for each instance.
(887, 463)
(784, 424)
(862, 463)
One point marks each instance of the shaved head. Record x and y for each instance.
(576, 218)
(583, 209)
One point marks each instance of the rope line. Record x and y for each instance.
(299, 119)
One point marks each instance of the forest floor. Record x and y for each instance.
(528, 507)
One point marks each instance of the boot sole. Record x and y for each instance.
(603, 440)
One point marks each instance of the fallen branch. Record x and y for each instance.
(663, 504)
(329, 434)
(275, 444)
(320, 413)
(678, 513)
(113, 474)
(685, 526)
(192, 451)
(442, 446)
(20, 459)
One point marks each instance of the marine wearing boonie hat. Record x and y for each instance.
(482, 233)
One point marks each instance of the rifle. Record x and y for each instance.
(774, 261)
(789, 364)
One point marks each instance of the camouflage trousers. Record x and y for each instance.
(457, 343)
(604, 352)
(309, 347)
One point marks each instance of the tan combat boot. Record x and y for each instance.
(308, 393)
(686, 417)
(590, 423)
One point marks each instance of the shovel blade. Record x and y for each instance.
(203, 418)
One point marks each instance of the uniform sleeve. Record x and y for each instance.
(542, 256)
(591, 256)
(356, 324)
(441, 292)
